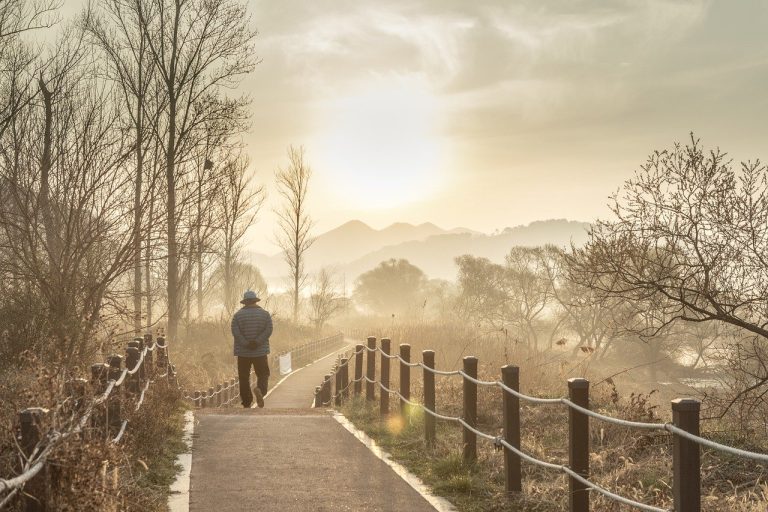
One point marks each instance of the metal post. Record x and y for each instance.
(428, 358)
(370, 358)
(578, 445)
(359, 369)
(384, 396)
(686, 456)
(211, 402)
(196, 400)
(510, 376)
(470, 409)
(219, 396)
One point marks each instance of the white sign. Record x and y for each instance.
(285, 364)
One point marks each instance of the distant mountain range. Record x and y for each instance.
(355, 247)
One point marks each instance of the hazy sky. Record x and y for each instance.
(494, 113)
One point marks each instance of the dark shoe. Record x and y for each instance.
(246, 406)
(259, 397)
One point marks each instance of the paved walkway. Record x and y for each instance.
(288, 456)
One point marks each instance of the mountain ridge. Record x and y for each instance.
(355, 247)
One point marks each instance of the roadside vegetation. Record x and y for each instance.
(632, 463)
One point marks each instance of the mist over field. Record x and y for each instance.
(577, 190)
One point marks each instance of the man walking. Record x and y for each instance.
(251, 329)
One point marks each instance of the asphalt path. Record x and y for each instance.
(289, 456)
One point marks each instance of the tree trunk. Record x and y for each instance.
(173, 250)
(199, 250)
(148, 259)
(137, 218)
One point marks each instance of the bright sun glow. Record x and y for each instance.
(381, 147)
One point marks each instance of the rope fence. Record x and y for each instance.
(684, 428)
(111, 386)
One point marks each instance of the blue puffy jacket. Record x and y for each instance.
(251, 329)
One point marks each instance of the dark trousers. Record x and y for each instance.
(261, 367)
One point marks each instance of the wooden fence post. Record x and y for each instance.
(405, 377)
(428, 358)
(386, 345)
(345, 377)
(370, 389)
(75, 389)
(318, 396)
(510, 376)
(99, 375)
(196, 400)
(219, 396)
(470, 409)
(338, 386)
(327, 391)
(113, 405)
(686, 456)
(359, 369)
(30, 422)
(131, 359)
(143, 368)
(149, 360)
(578, 444)
(162, 356)
(211, 402)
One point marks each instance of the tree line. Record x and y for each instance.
(124, 184)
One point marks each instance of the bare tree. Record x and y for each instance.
(116, 30)
(690, 237)
(200, 48)
(62, 223)
(19, 63)
(295, 224)
(238, 206)
(325, 300)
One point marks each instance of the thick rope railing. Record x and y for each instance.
(467, 423)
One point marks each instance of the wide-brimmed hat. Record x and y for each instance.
(250, 297)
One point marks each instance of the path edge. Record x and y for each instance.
(438, 502)
(178, 499)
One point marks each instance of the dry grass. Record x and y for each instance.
(635, 464)
(88, 472)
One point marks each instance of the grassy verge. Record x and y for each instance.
(151, 450)
(475, 487)
(630, 463)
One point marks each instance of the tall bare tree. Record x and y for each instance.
(115, 27)
(201, 49)
(238, 206)
(295, 225)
